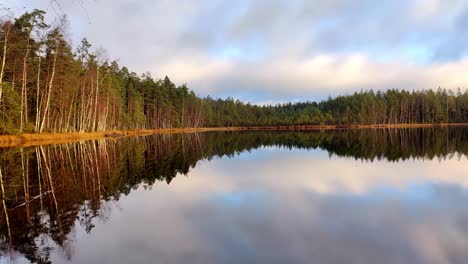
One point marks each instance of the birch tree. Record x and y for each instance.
(28, 23)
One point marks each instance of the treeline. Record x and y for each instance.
(46, 86)
(361, 108)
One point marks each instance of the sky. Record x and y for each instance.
(270, 51)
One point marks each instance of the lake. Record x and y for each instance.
(332, 196)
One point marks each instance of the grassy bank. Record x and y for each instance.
(35, 139)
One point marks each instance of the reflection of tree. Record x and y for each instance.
(7, 219)
(46, 191)
(368, 144)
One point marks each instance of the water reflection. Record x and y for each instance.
(384, 196)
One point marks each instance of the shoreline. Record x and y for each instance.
(36, 139)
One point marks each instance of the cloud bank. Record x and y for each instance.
(281, 50)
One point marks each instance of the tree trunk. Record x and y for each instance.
(50, 86)
(2, 71)
(24, 93)
(38, 108)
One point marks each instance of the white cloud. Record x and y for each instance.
(284, 49)
(322, 74)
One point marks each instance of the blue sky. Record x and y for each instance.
(278, 50)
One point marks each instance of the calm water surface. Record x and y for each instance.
(357, 196)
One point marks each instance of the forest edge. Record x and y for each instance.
(36, 139)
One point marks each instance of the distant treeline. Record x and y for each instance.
(363, 108)
(45, 86)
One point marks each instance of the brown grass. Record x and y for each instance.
(30, 139)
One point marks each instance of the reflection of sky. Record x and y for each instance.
(239, 198)
(281, 206)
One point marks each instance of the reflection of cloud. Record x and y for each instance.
(290, 207)
(181, 222)
(315, 171)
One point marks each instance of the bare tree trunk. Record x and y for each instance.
(82, 105)
(24, 92)
(38, 87)
(50, 86)
(94, 127)
(106, 113)
(2, 71)
(68, 127)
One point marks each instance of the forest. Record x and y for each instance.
(46, 85)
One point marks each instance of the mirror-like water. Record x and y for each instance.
(340, 196)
